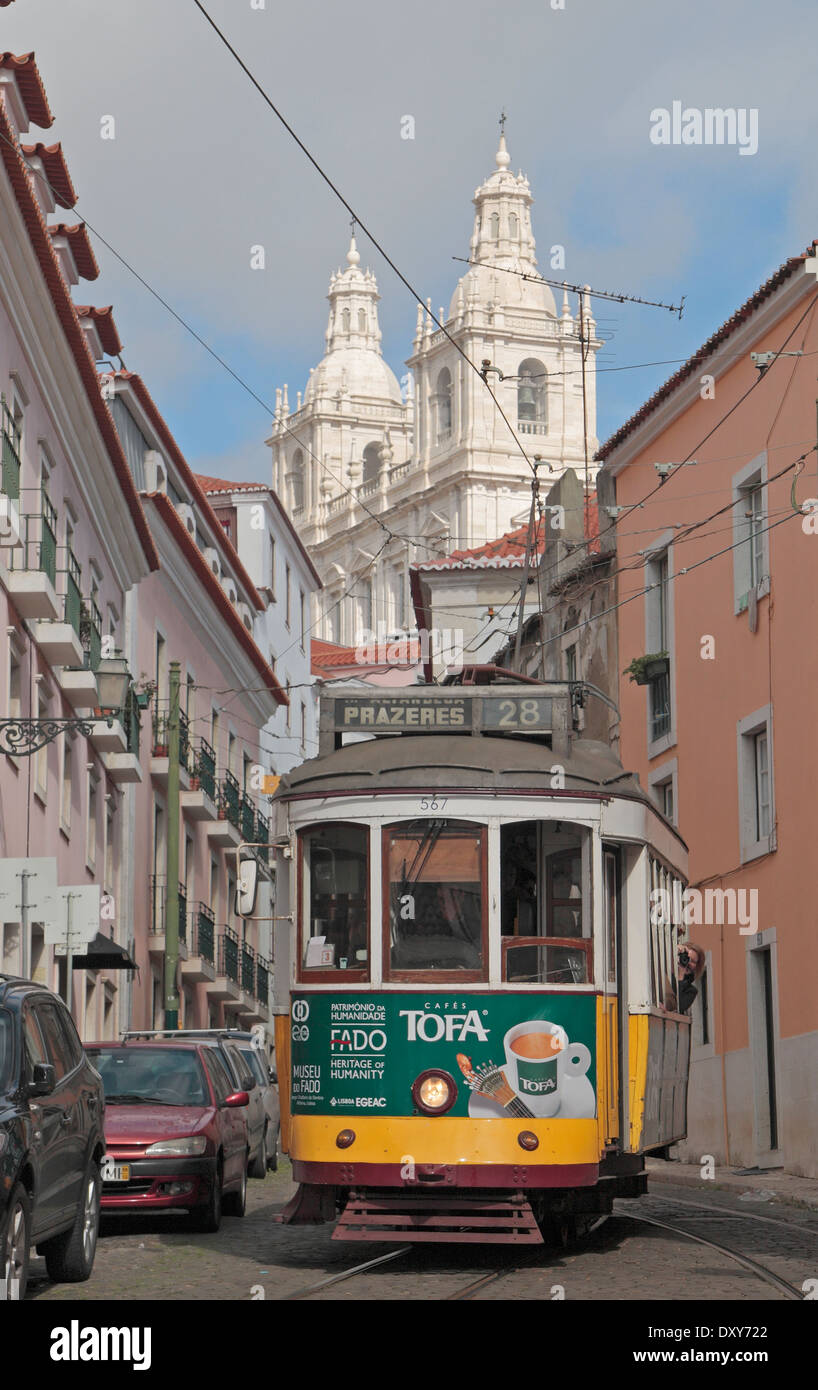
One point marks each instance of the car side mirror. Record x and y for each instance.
(251, 1084)
(237, 1099)
(43, 1081)
(273, 1076)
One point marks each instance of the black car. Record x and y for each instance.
(51, 1139)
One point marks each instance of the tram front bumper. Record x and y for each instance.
(443, 1151)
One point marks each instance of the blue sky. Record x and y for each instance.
(200, 171)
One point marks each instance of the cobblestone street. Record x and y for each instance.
(158, 1259)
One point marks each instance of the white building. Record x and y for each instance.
(282, 571)
(436, 463)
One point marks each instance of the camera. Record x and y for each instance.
(684, 959)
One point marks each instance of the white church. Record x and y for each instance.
(435, 462)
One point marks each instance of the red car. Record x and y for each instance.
(175, 1131)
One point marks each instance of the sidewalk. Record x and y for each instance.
(767, 1187)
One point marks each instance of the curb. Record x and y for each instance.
(806, 1201)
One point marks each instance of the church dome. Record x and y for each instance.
(353, 364)
(503, 247)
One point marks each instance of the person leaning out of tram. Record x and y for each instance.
(690, 963)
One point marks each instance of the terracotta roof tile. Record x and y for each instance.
(507, 552)
(329, 656)
(694, 363)
(56, 171)
(20, 179)
(80, 244)
(31, 87)
(105, 326)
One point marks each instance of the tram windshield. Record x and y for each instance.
(435, 896)
(336, 897)
(545, 925)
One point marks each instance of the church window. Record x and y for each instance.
(345, 320)
(531, 397)
(513, 226)
(494, 225)
(297, 480)
(444, 404)
(372, 463)
(362, 320)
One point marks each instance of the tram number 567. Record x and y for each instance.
(433, 803)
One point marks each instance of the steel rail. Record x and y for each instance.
(761, 1271)
(744, 1215)
(345, 1274)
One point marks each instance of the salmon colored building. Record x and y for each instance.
(718, 583)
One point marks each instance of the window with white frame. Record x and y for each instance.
(751, 556)
(91, 822)
(756, 787)
(41, 756)
(666, 928)
(658, 640)
(662, 783)
(66, 788)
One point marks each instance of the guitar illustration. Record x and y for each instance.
(488, 1080)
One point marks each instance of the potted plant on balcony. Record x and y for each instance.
(644, 669)
(144, 691)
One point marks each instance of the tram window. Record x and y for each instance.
(541, 883)
(336, 909)
(435, 899)
(666, 930)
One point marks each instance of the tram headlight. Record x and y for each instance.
(434, 1092)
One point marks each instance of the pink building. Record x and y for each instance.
(73, 543)
(718, 584)
(198, 609)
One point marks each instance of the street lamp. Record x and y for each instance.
(113, 683)
(20, 738)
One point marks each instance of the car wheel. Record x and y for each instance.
(258, 1168)
(209, 1217)
(272, 1159)
(235, 1203)
(15, 1244)
(69, 1258)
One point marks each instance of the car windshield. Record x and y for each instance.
(154, 1076)
(6, 1049)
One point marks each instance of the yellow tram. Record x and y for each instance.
(474, 1031)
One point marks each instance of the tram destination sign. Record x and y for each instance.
(512, 713)
(380, 714)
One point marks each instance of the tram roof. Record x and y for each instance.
(460, 760)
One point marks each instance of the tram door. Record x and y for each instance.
(612, 1004)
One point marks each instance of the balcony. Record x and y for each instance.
(124, 766)
(156, 936)
(199, 801)
(225, 831)
(248, 818)
(160, 748)
(32, 577)
(263, 981)
(79, 683)
(198, 967)
(11, 454)
(225, 987)
(262, 836)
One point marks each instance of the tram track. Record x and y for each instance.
(761, 1271)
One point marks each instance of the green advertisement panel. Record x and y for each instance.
(500, 1054)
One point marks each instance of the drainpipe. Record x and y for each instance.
(172, 885)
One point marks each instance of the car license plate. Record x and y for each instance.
(115, 1172)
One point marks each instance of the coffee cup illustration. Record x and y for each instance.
(532, 1053)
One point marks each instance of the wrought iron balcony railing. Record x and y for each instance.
(131, 722)
(91, 634)
(204, 933)
(262, 979)
(230, 800)
(248, 818)
(10, 480)
(73, 593)
(263, 836)
(248, 968)
(159, 906)
(203, 767)
(229, 955)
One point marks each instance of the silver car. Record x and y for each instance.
(266, 1085)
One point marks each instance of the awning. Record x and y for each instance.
(103, 954)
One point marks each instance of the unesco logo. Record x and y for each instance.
(301, 1011)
